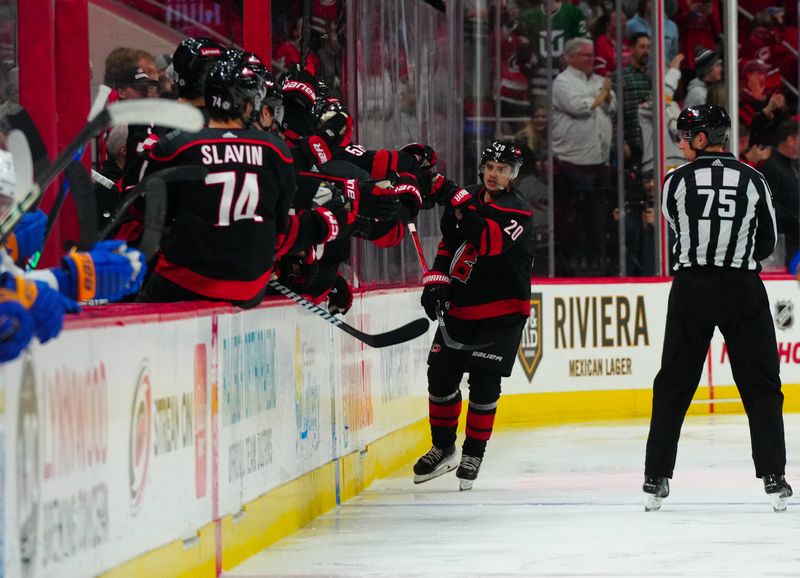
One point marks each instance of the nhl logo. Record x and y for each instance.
(530, 347)
(784, 315)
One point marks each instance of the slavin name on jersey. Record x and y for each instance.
(232, 153)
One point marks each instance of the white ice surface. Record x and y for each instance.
(562, 501)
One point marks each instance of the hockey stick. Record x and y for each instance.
(162, 112)
(85, 204)
(168, 175)
(18, 145)
(401, 334)
(448, 341)
(103, 180)
(18, 118)
(154, 215)
(99, 102)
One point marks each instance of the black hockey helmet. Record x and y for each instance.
(503, 152)
(708, 118)
(422, 153)
(272, 96)
(190, 63)
(229, 86)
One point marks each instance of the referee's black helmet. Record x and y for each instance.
(708, 118)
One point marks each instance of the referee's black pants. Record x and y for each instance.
(736, 302)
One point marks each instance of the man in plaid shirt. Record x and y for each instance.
(636, 92)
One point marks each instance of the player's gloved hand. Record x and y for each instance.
(376, 201)
(340, 298)
(16, 327)
(450, 194)
(299, 86)
(44, 305)
(110, 271)
(410, 198)
(434, 293)
(27, 236)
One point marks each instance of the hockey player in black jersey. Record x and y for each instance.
(480, 280)
(221, 236)
(720, 211)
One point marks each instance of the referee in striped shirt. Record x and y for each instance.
(720, 211)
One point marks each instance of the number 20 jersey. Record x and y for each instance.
(486, 256)
(221, 232)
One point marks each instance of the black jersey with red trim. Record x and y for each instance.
(222, 233)
(486, 256)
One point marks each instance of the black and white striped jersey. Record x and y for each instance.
(721, 212)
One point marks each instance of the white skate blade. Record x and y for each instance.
(778, 502)
(653, 504)
(464, 485)
(448, 465)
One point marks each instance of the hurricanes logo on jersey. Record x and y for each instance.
(463, 262)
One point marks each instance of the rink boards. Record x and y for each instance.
(182, 441)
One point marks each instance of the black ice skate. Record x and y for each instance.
(467, 471)
(778, 490)
(435, 463)
(658, 487)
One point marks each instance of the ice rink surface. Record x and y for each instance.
(562, 501)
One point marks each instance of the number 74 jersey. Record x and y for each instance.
(487, 257)
(222, 231)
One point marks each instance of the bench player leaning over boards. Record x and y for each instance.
(720, 211)
(220, 239)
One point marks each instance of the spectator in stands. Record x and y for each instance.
(288, 53)
(758, 110)
(604, 32)
(583, 104)
(781, 170)
(640, 23)
(636, 92)
(708, 66)
(515, 67)
(752, 154)
(567, 22)
(717, 94)
(532, 141)
(700, 24)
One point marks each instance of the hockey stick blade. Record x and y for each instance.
(157, 111)
(140, 111)
(16, 117)
(154, 216)
(402, 334)
(18, 145)
(452, 343)
(180, 173)
(85, 203)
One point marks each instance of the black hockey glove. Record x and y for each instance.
(377, 202)
(434, 294)
(340, 298)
